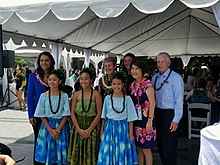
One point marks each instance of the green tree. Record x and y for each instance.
(21, 62)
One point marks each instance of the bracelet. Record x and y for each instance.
(151, 118)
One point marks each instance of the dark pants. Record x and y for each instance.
(36, 129)
(166, 140)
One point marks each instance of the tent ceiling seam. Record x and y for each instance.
(150, 29)
(199, 20)
(154, 35)
(62, 38)
(206, 21)
(129, 26)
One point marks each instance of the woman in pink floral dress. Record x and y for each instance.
(142, 94)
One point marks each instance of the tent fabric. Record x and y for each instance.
(143, 27)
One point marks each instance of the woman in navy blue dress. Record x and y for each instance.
(142, 94)
(37, 84)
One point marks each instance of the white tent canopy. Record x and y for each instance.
(143, 27)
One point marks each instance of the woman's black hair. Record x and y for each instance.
(201, 83)
(127, 55)
(39, 70)
(141, 64)
(121, 75)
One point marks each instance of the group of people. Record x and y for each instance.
(119, 123)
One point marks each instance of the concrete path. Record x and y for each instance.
(17, 133)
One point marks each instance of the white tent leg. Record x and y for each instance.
(56, 52)
(87, 53)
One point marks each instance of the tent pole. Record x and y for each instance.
(1, 53)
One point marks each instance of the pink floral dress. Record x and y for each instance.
(143, 138)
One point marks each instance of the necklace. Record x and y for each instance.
(58, 107)
(123, 103)
(90, 101)
(164, 81)
(104, 84)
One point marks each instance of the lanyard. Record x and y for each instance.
(138, 90)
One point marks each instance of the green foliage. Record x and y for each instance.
(20, 62)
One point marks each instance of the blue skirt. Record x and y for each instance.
(115, 147)
(51, 151)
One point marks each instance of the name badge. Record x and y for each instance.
(139, 113)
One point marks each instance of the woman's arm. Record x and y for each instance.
(150, 95)
(131, 133)
(210, 97)
(189, 95)
(31, 97)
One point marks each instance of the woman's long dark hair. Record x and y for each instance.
(127, 55)
(39, 70)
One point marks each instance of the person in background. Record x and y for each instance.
(199, 94)
(105, 87)
(38, 84)
(217, 94)
(85, 115)
(54, 110)
(142, 94)
(169, 92)
(118, 114)
(191, 80)
(27, 72)
(210, 87)
(75, 74)
(20, 87)
(63, 72)
(126, 67)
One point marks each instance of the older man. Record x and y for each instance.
(169, 91)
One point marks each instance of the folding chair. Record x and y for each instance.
(206, 120)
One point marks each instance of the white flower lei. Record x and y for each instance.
(104, 84)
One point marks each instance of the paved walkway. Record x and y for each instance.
(16, 132)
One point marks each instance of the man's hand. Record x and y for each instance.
(173, 126)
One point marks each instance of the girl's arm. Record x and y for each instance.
(102, 127)
(63, 122)
(73, 110)
(150, 95)
(131, 133)
(51, 131)
(98, 101)
(73, 115)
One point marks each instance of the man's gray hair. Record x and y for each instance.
(166, 55)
